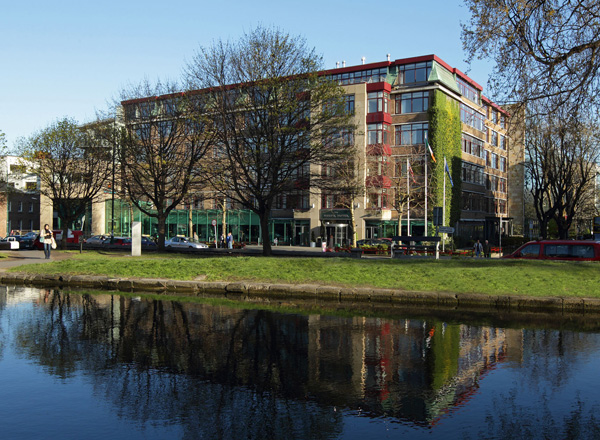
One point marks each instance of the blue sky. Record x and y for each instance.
(69, 58)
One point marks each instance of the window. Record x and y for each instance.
(532, 250)
(494, 116)
(20, 206)
(502, 142)
(494, 141)
(503, 164)
(30, 186)
(494, 161)
(502, 121)
(472, 118)
(472, 201)
(377, 201)
(411, 134)
(349, 104)
(378, 102)
(30, 206)
(412, 102)
(377, 134)
(414, 73)
(362, 76)
(9, 208)
(473, 146)
(472, 173)
(467, 90)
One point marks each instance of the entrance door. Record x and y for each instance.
(371, 232)
(338, 234)
(301, 235)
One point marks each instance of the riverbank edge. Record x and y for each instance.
(279, 291)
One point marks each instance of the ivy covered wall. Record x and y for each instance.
(445, 140)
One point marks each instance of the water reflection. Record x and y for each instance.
(223, 372)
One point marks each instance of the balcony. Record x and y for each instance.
(378, 182)
(379, 150)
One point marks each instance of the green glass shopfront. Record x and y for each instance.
(243, 224)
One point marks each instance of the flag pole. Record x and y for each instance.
(426, 193)
(408, 191)
(444, 205)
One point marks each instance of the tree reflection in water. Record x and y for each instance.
(223, 372)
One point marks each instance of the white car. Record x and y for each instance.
(183, 243)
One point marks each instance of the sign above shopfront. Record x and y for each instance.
(335, 214)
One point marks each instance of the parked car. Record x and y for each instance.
(24, 242)
(95, 239)
(118, 241)
(574, 250)
(183, 243)
(146, 241)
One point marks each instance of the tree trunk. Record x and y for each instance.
(65, 234)
(353, 223)
(161, 220)
(264, 229)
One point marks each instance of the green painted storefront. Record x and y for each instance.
(243, 224)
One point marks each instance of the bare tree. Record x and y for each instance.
(273, 114)
(542, 48)
(560, 168)
(73, 167)
(408, 184)
(161, 148)
(344, 181)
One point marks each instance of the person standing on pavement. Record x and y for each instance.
(47, 236)
(487, 249)
(477, 249)
(230, 241)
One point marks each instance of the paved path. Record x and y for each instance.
(19, 258)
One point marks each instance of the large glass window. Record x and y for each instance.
(473, 173)
(411, 134)
(362, 76)
(412, 102)
(378, 102)
(467, 90)
(473, 146)
(414, 73)
(471, 117)
(377, 134)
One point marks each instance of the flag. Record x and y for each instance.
(448, 171)
(430, 150)
(412, 174)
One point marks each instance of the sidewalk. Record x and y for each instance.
(19, 258)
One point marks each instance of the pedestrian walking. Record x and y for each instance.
(230, 241)
(487, 249)
(477, 249)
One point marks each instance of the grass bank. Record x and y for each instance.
(531, 278)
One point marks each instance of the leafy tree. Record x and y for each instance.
(275, 118)
(72, 165)
(543, 49)
(161, 148)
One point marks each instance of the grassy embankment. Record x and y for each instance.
(531, 278)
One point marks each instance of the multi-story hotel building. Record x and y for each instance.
(394, 104)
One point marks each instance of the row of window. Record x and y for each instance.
(19, 206)
(362, 76)
(467, 90)
(471, 117)
(479, 202)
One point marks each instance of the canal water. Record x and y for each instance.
(102, 366)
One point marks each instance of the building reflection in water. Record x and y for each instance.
(241, 371)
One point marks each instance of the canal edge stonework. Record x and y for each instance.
(279, 291)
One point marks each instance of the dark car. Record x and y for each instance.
(25, 242)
